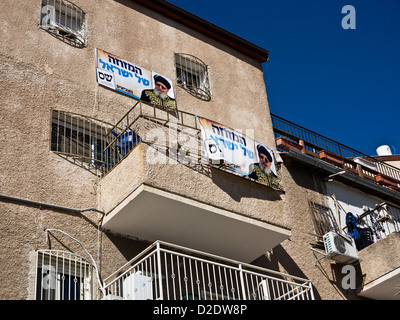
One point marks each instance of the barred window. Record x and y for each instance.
(79, 137)
(62, 276)
(192, 75)
(65, 20)
(323, 219)
(89, 142)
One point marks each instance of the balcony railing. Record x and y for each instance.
(91, 143)
(169, 272)
(292, 136)
(176, 136)
(373, 225)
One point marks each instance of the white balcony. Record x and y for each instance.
(169, 272)
(147, 194)
(151, 214)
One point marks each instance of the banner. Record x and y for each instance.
(244, 155)
(130, 79)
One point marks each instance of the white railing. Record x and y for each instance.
(169, 272)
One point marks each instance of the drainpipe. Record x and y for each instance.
(48, 205)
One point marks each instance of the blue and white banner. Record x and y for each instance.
(135, 81)
(243, 154)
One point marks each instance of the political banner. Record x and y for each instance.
(244, 155)
(132, 80)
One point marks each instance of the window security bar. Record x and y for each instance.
(87, 141)
(323, 219)
(64, 19)
(62, 275)
(192, 75)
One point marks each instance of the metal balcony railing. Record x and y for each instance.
(174, 135)
(373, 225)
(292, 136)
(102, 146)
(168, 272)
(94, 144)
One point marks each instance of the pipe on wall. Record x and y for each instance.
(48, 205)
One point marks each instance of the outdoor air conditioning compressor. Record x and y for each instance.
(339, 248)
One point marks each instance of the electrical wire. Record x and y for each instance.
(93, 261)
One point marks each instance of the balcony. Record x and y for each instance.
(374, 225)
(377, 236)
(376, 232)
(139, 158)
(381, 269)
(168, 272)
(156, 184)
(291, 138)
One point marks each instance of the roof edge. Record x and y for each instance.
(365, 184)
(207, 28)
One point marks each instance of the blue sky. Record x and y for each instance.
(343, 84)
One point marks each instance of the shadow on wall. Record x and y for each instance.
(237, 189)
(346, 280)
(279, 256)
(304, 176)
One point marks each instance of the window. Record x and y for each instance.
(323, 219)
(192, 75)
(80, 137)
(65, 20)
(89, 142)
(62, 276)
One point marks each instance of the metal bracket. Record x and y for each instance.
(315, 258)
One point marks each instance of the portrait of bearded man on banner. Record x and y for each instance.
(264, 171)
(159, 96)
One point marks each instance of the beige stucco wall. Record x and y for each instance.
(380, 258)
(40, 73)
(146, 39)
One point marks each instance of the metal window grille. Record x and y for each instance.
(323, 219)
(62, 276)
(192, 75)
(64, 19)
(83, 139)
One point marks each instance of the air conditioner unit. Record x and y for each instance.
(137, 287)
(339, 248)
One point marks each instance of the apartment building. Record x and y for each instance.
(353, 202)
(132, 136)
